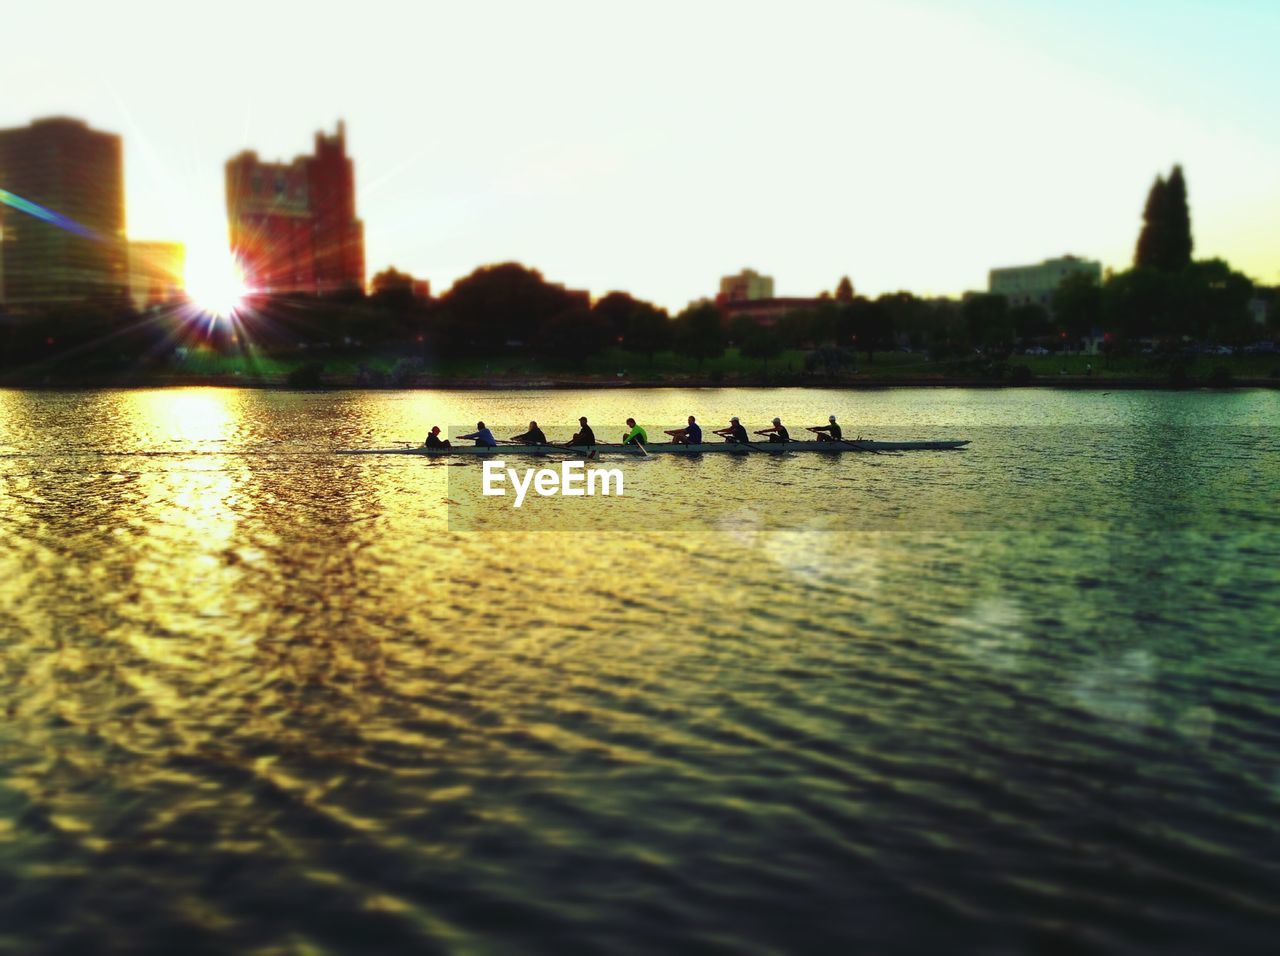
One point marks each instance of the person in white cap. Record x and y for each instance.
(734, 433)
(829, 432)
(777, 433)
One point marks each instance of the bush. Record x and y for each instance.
(1020, 375)
(368, 377)
(1220, 377)
(310, 375)
(406, 372)
(828, 360)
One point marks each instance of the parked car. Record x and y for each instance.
(1261, 348)
(1036, 350)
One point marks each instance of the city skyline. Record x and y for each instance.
(704, 144)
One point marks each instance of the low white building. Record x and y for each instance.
(1035, 285)
(746, 286)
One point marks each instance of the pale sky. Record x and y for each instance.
(656, 146)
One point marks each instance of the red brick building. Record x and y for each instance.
(294, 225)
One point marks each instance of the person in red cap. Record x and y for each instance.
(433, 439)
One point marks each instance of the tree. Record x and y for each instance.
(649, 330)
(1077, 304)
(574, 334)
(1030, 321)
(795, 328)
(392, 290)
(826, 316)
(915, 320)
(1147, 253)
(1202, 301)
(762, 343)
(1134, 303)
(1209, 301)
(616, 309)
(1177, 241)
(507, 303)
(699, 332)
(872, 326)
(828, 360)
(987, 318)
(1165, 241)
(844, 291)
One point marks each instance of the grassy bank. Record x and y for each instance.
(619, 368)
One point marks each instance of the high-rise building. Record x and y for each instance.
(294, 225)
(1035, 285)
(746, 286)
(156, 273)
(63, 220)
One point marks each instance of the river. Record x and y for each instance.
(1023, 697)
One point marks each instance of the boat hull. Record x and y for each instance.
(755, 448)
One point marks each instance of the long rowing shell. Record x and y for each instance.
(776, 448)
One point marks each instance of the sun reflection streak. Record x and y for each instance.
(190, 415)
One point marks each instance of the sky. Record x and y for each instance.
(911, 144)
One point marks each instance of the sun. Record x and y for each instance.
(215, 283)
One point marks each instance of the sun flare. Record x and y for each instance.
(215, 283)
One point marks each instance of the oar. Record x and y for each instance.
(753, 446)
(848, 444)
(586, 451)
(765, 445)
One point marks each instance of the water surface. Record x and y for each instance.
(260, 696)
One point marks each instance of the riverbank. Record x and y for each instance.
(665, 370)
(502, 384)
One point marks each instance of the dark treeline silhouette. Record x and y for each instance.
(508, 309)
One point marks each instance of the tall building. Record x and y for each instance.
(1035, 285)
(294, 225)
(156, 273)
(746, 286)
(63, 219)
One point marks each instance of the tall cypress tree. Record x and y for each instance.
(1165, 241)
(1177, 223)
(1150, 240)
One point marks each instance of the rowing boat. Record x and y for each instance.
(776, 448)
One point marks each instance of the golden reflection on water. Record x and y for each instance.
(221, 639)
(186, 415)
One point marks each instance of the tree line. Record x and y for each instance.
(510, 308)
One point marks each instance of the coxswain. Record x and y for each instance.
(829, 432)
(533, 436)
(777, 432)
(433, 439)
(735, 433)
(483, 437)
(584, 435)
(691, 434)
(636, 436)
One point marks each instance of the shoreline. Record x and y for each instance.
(1069, 383)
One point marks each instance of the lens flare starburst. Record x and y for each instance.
(215, 283)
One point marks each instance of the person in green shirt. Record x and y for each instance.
(637, 435)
